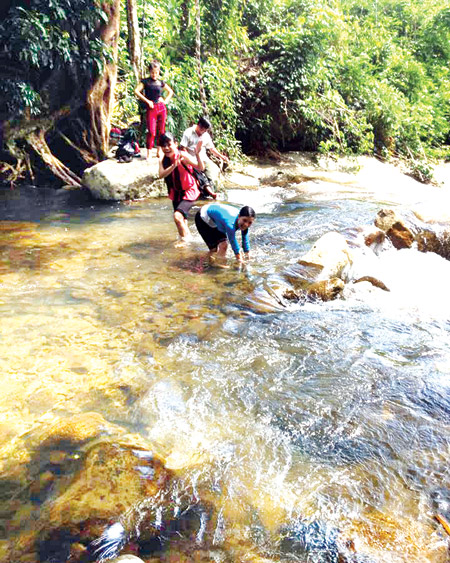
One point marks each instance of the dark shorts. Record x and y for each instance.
(210, 235)
(183, 206)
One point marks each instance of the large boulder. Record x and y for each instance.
(331, 252)
(113, 180)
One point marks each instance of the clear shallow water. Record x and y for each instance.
(335, 412)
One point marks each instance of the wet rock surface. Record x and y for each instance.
(94, 487)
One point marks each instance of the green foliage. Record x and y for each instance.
(19, 94)
(48, 37)
(343, 76)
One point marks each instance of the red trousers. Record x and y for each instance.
(155, 116)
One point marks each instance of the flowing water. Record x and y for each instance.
(337, 412)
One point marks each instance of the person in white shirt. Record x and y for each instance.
(189, 141)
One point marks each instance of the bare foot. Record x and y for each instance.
(218, 262)
(182, 242)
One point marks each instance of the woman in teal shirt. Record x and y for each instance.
(217, 224)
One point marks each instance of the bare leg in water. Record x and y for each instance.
(218, 255)
(182, 228)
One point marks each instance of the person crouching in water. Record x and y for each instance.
(176, 167)
(217, 224)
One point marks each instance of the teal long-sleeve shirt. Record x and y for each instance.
(225, 218)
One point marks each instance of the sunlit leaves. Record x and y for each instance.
(344, 75)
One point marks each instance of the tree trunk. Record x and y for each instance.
(100, 98)
(198, 57)
(134, 48)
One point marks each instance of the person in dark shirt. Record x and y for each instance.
(150, 92)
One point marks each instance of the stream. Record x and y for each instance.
(335, 412)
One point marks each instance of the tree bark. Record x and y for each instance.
(134, 40)
(100, 97)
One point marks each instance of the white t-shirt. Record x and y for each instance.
(190, 140)
(204, 215)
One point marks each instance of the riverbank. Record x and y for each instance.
(324, 177)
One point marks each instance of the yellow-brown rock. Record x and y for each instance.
(385, 219)
(400, 236)
(374, 237)
(326, 290)
(112, 480)
(76, 429)
(395, 228)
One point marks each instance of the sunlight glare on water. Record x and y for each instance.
(335, 413)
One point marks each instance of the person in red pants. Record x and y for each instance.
(150, 92)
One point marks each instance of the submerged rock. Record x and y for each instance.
(107, 480)
(75, 430)
(127, 558)
(113, 478)
(315, 539)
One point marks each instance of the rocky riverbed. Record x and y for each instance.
(136, 390)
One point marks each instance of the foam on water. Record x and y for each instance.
(263, 200)
(418, 282)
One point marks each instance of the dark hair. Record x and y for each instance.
(247, 211)
(203, 122)
(154, 64)
(165, 139)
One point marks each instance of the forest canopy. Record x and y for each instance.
(349, 76)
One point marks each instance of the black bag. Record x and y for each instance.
(127, 147)
(205, 185)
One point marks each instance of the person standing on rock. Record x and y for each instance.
(176, 167)
(150, 92)
(191, 138)
(217, 224)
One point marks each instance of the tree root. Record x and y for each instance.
(85, 155)
(12, 173)
(37, 142)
